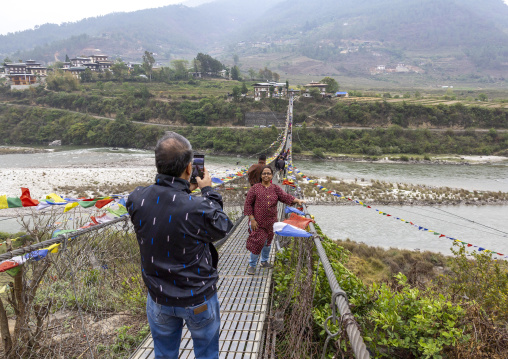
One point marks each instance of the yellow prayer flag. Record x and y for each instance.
(3, 202)
(53, 248)
(55, 197)
(70, 206)
(3, 289)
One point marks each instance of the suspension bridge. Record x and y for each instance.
(77, 293)
(92, 279)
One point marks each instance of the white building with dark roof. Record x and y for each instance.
(262, 90)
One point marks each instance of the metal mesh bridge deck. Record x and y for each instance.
(244, 301)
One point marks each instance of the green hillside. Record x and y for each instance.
(440, 40)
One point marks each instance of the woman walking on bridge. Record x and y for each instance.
(261, 207)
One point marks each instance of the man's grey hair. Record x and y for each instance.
(173, 153)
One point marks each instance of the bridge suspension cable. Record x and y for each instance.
(339, 297)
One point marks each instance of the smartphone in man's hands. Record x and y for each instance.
(198, 167)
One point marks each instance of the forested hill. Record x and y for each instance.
(441, 38)
(174, 29)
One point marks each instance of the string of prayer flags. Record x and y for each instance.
(52, 199)
(14, 202)
(420, 228)
(115, 210)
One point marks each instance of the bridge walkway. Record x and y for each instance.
(244, 302)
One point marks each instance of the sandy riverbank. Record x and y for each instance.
(440, 159)
(89, 180)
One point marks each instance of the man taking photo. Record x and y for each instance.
(175, 233)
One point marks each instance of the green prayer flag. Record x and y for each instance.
(117, 212)
(87, 204)
(13, 202)
(13, 271)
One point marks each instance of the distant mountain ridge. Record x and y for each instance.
(345, 37)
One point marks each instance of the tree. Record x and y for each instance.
(244, 89)
(252, 73)
(62, 81)
(315, 93)
(148, 61)
(275, 76)
(208, 64)
(482, 97)
(119, 69)
(56, 65)
(332, 84)
(235, 73)
(236, 59)
(287, 85)
(67, 58)
(86, 76)
(265, 74)
(236, 93)
(181, 69)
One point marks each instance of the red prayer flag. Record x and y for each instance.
(287, 183)
(102, 202)
(298, 221)
(8, 265)
(442, 236)
(26, 199)
(469, 245)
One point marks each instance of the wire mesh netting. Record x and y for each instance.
(72, 303)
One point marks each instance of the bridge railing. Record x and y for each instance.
(341, 312)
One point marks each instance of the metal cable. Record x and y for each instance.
(339, 297)
(59, 239)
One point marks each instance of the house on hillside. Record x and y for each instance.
(98, 58)
(262, 90)
(79, 61)
(321, 87)
(341, 94)
(94, 67)
(96, 63)
(76, 71)
(22, 75)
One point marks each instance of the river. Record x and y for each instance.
(485, 226)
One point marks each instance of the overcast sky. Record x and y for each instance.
(16, 16)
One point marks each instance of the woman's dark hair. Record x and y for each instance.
(173, 153)
(265, 167)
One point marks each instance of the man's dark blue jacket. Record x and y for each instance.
(175, 232)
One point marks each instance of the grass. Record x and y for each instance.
(375, 264)
(176, 90)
